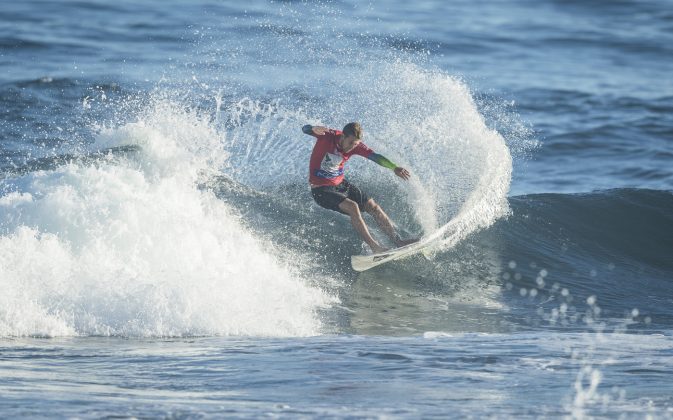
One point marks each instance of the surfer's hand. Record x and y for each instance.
(402, 173)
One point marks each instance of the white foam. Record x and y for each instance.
(135, 248)
(433, 335)
(425, 120)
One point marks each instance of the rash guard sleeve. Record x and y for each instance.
(382, 160)
(307, 129)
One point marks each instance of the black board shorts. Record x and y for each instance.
(331, 196)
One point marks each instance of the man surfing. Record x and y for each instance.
(330, 190)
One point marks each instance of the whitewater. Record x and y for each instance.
(132, 246)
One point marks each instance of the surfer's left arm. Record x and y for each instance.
(387, 163)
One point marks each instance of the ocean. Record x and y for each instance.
(161, 255)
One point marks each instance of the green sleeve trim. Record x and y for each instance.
(382, 160)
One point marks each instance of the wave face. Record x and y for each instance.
(559, 261)
(611, 249)
(129, 245)
(627, 225)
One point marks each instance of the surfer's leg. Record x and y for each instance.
(365, 203)
(381, 218)
(351, 208)
(385, 223)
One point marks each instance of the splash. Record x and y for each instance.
(131, 246)
(424, 120)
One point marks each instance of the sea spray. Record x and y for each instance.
(134, 248)
(424, 120)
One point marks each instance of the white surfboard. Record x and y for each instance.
(365, 262)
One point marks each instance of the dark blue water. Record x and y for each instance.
(160, 255)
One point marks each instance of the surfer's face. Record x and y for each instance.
(348, 143)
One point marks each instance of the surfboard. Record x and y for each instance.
(365, 262)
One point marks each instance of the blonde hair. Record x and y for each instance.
(353, 129)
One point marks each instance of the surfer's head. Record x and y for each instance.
(351, 136)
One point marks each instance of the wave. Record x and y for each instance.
(559, 261)
(200, 223)
(173, 226)
(161, 228)
(569, 260)
(19, 43)
(632, 224)
(615, 245)
(153, 234)
(126, 243)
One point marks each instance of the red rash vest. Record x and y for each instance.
(326, 166)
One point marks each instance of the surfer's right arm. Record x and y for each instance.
(314, 130)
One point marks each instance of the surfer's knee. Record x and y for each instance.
(371, 206)
(350, 207)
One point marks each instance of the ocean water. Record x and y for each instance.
(161, 256)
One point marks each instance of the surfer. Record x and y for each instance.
(330, 190)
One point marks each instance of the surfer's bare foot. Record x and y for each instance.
(402, 242)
